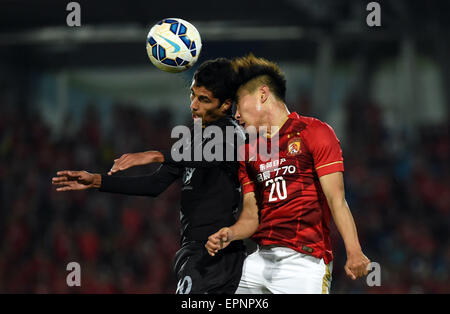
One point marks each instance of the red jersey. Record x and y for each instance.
(293, 209)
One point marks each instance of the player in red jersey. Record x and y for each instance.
(294, 194)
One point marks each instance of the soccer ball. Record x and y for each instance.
(173, 45)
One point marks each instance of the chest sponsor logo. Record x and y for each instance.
(271, 164)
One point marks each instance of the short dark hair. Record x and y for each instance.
(260, 71)
(217, 76)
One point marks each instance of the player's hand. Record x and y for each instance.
(135, 159)
(68, 180)
(357, 265)
(219, 240)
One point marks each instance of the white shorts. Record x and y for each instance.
(277, 269)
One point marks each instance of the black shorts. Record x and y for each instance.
(197, 272)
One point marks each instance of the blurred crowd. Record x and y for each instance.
(398, 189)
(123, 244)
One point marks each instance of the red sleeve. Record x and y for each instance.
(325, 148)
(247, 184)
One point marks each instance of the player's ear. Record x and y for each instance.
(226, 106)
(264, 93)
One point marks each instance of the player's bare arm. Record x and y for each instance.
(244, 227)
(68, 180)
(136, 159)
(333, 188)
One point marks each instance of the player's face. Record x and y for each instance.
(249, 110)
(204, 105)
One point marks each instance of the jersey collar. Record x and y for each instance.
(292, 115)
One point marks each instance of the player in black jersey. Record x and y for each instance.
(210, 193)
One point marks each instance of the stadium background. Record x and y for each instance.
(76, 98)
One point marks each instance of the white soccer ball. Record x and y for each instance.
(173, 45)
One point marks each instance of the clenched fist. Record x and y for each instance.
(356, 265)
(219, 240)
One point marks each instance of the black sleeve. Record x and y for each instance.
(148, 185)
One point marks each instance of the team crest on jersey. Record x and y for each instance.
(294, 146)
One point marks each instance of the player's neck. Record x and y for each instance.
(276, 117)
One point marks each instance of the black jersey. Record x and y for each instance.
(210, 197)
(210, 193)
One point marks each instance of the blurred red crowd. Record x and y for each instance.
(397, 186)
